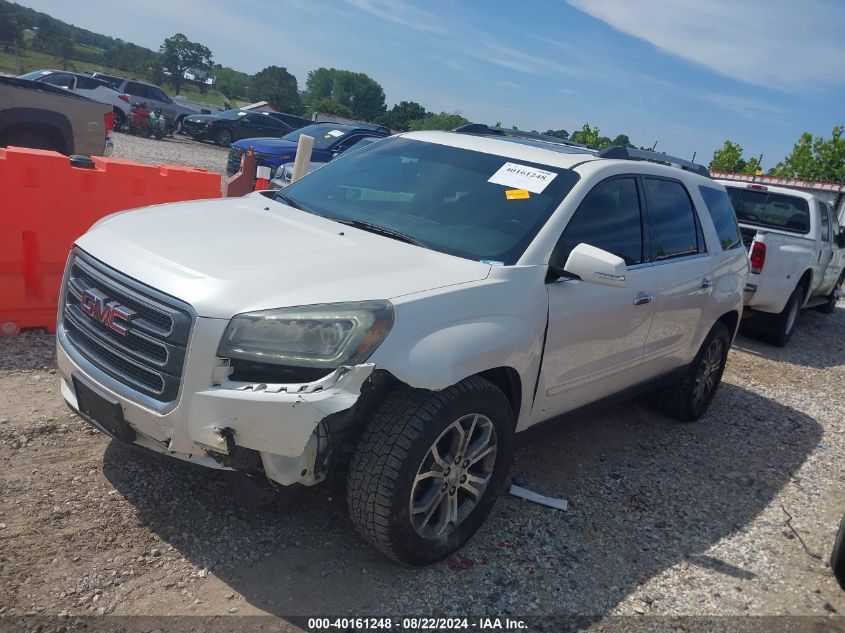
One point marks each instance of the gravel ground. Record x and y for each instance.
(665, 518)
(176, 150)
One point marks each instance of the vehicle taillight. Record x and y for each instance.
(758, 257)
(108, 120)
(124, 98)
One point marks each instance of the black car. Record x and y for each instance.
(233, 125)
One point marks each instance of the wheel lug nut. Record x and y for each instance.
(447, 471)
(445, 486)
(466, 463)
(464, 479)
(452, 490)
(458, 459)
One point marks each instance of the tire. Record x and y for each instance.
(28, 138)
(781, 327)
(829, 306)
(223, 138)
(119, 120)
(408, 439)
(690, 397)
(837, 556)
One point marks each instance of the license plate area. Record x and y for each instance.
(102, 409)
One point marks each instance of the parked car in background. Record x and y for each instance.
(330, 139)
(87, 86)
(796, 249)
(284, 174)
(412, 306)
(152, 95)
(233, 125)
(43, 116)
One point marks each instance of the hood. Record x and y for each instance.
(202, 118)
(267, 145)
(235, 255)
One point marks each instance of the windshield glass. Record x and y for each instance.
(324, 133)
(437, 195)
(778, 211)
(34, 75)
(231, 114)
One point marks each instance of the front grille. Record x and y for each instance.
(233, 163)
(150, 356)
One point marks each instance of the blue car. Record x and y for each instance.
(330, 139)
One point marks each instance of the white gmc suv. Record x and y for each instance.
(408, 307)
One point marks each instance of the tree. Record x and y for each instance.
(231, 83)
(728, 158)
(752, 166)
(179, 54)
(401, 114)
(276, 85)
(557, 133)
(442, 121)
(587, 135)
(815, 158)
(621, 140)
(361, 94)
(329, 106)
(11, 33)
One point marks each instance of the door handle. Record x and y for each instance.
(643, 299)
(705, 284)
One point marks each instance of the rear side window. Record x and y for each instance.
(775, 210)
(673, 228)
(722, 213)
(608, 218)
(825, 222)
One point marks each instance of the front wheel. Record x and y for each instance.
(830, 304)
(429, 467)
(689, 398)
(224, 138)
(119, 120)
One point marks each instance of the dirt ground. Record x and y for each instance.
(734, 514)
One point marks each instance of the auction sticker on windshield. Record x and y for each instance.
(522, 177)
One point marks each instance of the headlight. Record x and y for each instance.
(325, 336)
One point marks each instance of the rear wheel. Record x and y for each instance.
(830, 304)
(780, 327)
(837, 556)
(428, 469)
(119, 120)
(689, 398)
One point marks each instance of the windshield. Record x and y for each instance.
(778, 211)
(324, 134)
(444, 197)
(34, 75)
(231, 114)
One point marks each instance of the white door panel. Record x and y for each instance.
(684, 288)
(595, 339)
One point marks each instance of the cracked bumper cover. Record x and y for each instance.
(214, 416)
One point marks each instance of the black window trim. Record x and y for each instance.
(824, 210)
(644, 236)
(699, 229)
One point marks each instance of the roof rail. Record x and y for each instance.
(480, 129)
(627, 153)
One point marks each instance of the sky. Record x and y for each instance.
(686, 74)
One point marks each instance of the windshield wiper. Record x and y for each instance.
(380, 230)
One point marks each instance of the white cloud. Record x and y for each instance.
(788, 45)
(401, 13)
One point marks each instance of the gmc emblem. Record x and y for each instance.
(98, 307)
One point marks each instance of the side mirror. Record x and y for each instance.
(596, 266)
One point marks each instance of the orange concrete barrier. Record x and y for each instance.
(48, 201)
(243, 182)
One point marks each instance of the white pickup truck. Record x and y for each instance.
(413, 304)
(796, 250)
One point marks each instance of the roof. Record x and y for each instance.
(259, 105)
(787, 191)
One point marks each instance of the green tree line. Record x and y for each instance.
(811, 158)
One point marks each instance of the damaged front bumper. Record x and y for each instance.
(258, 428)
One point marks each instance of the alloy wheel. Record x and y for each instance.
(453, 476)
(708, 371)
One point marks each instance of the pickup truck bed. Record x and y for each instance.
(41, 116)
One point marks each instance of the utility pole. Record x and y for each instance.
(653, 146)
(692, 160)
